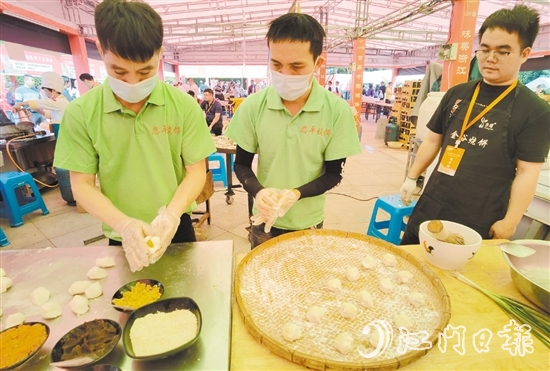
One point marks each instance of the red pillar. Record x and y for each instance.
(357, 68)
(177, 72)
(161, 70)
(80, 58)
(462, 31)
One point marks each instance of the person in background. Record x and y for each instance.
(301, 132)
(347, 91)
(329, 86)
(67, 88)
(8, 100)
(337, 90)
(27, 92)
(88, 81)
(388, 93)
(218, 89)
(382, 90)
(213, 112)
(541, 89)
(193, 87)
(370, 91)
(183, 85)
(252, 88)
(496, 132)
(147, 143)
(202, 86)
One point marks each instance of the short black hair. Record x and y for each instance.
(85, 76)
(297, 27)
(191, 93)
(130, 29)
(208, 90)
(520, 20)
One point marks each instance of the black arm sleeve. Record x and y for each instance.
(330, 179)
(243, 170)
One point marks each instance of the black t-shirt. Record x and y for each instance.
(211, 110)
(529, 125)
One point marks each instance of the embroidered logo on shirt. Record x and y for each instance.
(166, 130)
(485, 124)
(455, 107)
(313, 130)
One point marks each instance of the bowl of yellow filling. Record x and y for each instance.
(20, 343)
(136, 294)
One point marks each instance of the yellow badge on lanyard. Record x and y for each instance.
(450, 161)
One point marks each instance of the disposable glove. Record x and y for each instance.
(287, 198)
(133, 233)
(164, 226)
(406, 191)
(266, 203)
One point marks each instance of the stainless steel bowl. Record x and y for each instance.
(532, 288)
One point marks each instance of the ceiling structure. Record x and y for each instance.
(232, 32)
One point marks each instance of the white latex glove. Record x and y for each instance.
(406, 191)
(164, 226)
(266, 203)
(133, 233)
(287, 198)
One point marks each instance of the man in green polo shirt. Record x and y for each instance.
(301, 132)
(145, 140)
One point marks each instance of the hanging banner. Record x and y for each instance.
(357, 68)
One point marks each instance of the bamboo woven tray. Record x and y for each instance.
(278, 281)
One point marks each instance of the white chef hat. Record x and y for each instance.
(52, 80)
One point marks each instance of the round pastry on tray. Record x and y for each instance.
(136, 294)
(20, 343)
(339, 300)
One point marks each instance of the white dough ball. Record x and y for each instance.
(79, 287)
(402, 320)
(40, 296)
(105, 262)
(96, 273)
(404, 276)
(389, 260)
(385, 285)
(352, 274)
(51, 310)
(94, 290)
(348, 310)
(291, 332)
(153, 242)
(2, 272)
(416, 299)
(5, 284)
(368, 262)
(365, 299)
(343, 342)
(334, 285)
(79, 304)
(15, 319)
(315, 314)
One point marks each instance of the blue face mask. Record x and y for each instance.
(133, 93)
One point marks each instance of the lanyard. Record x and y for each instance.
(465, 124)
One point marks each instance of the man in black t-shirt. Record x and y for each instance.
(492, 135)
(213, 112)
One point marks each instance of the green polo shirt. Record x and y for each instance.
(292, 150)
(139, 158)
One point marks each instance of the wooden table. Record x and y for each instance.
(470, 309)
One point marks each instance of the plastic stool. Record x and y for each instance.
(3, 239)
(395, 225)
(15, 204)
(218, 174)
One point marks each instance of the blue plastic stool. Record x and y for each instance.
(395, 225)
(15, 204)
(3, 239)
(219, 174)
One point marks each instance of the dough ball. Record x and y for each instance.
(94, 290)
(385, 285)
(315, 314)
(402, 320)
(105, 262)
(352, 274)
(334, 285)
(374, 337)
(153, 242)
(51, 310)
(416, 299)
(5, 284)
(404, 276)
(291, 332)
(79, 304)
(343, 342)
(40, 296)
(348, 310)
(365, 299)
(2, 272)
(15, 319)
(79, 287)
(96, 273)
(368, 262)
(389, 260)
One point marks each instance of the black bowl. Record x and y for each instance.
(11, 367)
(57, 350)
(130, 285)
(166, 306)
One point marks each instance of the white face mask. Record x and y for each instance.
(133, 93)
(291, 87)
